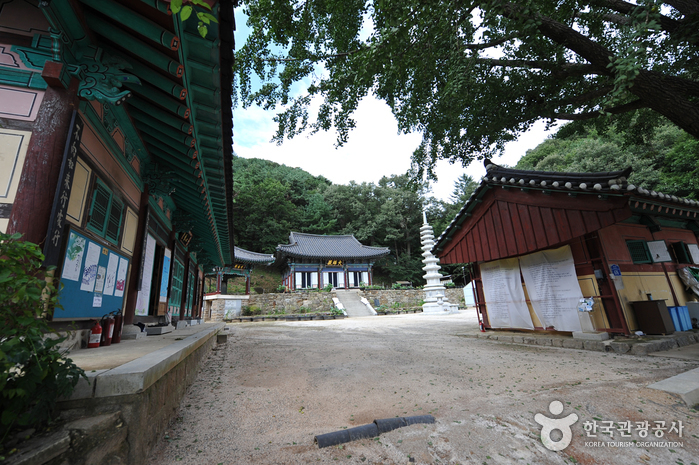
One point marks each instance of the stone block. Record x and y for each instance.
(667, 344)
(599, 336)
(686, 385)
(620, 347)
(41, 449)
(543, 341)
(221, 338)
(685, 340)
(518, 339)
(640, 349)
(593, 345)
(530, 340)
(505, 338)
(573, 344)
(156, 330)
(130, 332)
(557, 342)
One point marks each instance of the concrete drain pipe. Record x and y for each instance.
(370, 430)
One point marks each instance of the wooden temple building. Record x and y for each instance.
(563, 237)
(115, 150)
(314, 261)
(245, 261)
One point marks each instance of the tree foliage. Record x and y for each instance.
(471, 76)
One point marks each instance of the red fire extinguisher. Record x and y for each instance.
(108, 325)
(118, 325)
(95, 336)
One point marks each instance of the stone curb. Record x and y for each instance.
(679, 339)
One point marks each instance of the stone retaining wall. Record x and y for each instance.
(220, 307)
(291, 302)
(409, 297)
(142, 417)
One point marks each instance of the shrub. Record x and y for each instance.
(328, 287)
(35, 373)
(303, 309)
(246, 311)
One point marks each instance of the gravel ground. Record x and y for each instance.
(262, 397)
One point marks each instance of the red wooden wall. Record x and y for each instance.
(510, 222)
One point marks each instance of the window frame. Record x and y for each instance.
(112, 202)
(649, 258)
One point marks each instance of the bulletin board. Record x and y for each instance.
(92, 279)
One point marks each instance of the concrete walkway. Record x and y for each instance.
(105, 358)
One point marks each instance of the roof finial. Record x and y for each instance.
(424, 217)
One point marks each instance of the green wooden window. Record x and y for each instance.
(176, 286)
(639, 251)
(681, 252)
(106, 213)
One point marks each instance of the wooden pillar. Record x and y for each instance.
(31, 209)
(141, 231)
(219, 280)
(247, 284)
(185, 287)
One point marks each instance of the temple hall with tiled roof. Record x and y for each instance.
(314, 261)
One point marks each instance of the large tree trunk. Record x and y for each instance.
(664, 95)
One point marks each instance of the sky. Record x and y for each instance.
(374, 149)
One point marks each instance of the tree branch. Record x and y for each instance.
(540, 64)
(625, 8)
(635, 105)
(313, 57)
(493, 43)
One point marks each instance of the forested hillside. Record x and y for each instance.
(271, 200)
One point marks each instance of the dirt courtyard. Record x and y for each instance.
(263, 396)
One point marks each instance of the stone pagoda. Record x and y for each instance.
(436, 302)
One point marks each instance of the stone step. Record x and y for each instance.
(353, 304)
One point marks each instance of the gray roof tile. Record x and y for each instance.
(304, 245)
(253, 258)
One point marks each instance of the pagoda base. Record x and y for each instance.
(436, 308)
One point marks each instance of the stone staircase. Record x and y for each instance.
(352, 303)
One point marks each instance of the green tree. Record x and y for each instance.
(471, 76)
(34, 373)
(273, 199)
